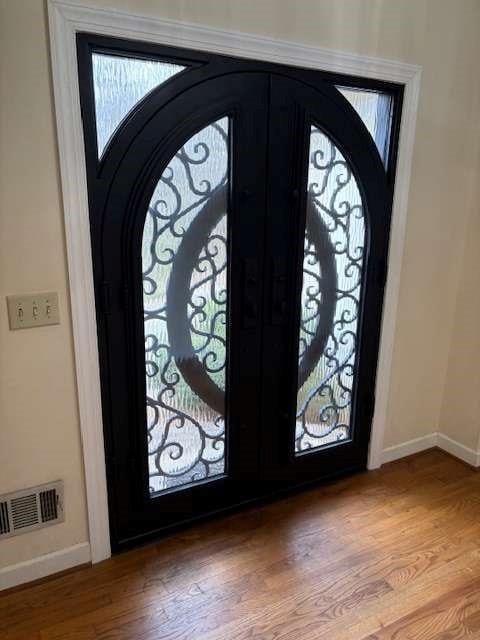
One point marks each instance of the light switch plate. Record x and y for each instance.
(33, 310)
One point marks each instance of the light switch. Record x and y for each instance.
(33, 310)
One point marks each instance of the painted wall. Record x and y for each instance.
(460, 417)
(39, 429)
(39, 432)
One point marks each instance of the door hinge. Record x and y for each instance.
(369, 406)
(381, 272)
(126, 296)
(106, 298)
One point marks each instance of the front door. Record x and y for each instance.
(239, 221)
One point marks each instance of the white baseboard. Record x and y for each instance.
(43, 566)
(409, 447)
(470, 456)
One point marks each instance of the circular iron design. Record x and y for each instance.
(195, 371)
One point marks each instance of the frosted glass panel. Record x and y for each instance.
(184, 258)
(375, 109)
(118, 84)
(332, 273)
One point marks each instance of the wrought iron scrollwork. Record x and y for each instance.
(184, 256)
(332, 278)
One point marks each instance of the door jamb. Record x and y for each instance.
(66, 19)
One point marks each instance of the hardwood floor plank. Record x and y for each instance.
(393, 554)
(439, 616)
(403, 600)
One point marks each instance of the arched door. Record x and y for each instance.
(240, 216)
(327, 243)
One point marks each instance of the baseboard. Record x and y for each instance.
(408, 448)
(470, 456)
(45, 565)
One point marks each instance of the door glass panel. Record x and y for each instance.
(332, 276)
(119, 83)
(375, 109)
(184, 264)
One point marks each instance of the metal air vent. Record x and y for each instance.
(30, 509)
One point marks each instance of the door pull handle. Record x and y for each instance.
(250, 294)
(278, 293)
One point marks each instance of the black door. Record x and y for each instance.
(239, 220)
(326, 244)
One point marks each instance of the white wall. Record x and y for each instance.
(39, 433)
(460, 416)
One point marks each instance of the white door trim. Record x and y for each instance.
(66, 19)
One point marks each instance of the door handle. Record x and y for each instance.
(278, 293)
(250, 293)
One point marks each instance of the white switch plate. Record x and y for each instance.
(33, 310)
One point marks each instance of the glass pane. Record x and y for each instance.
(375, 109)
(118, 84)
(332, 274)
(184, 260)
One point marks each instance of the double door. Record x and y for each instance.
(239, 217)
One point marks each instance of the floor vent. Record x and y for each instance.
(31, 509)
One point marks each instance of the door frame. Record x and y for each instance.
(65, 21)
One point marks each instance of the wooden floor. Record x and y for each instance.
(390, 554)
